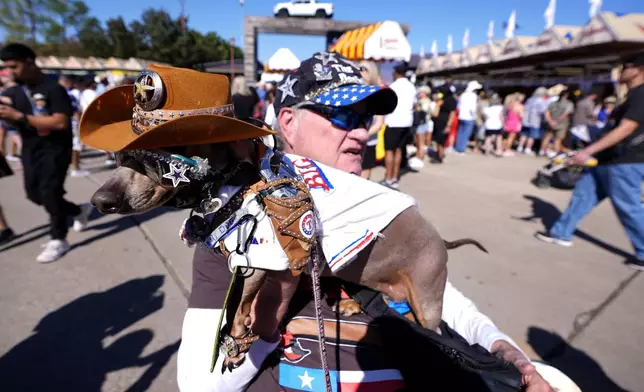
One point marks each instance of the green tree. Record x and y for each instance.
(94, 40)
(22, 20)
(64, 15)
(122, 39)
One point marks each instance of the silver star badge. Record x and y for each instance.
(177, 175)
(326, 58)
(287, 88)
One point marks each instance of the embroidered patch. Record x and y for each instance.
(293, 350)
(313, 176)
(307, 225)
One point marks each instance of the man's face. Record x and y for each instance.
(318, 139)
(630, 72)
(17, 69)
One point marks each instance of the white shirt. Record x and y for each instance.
(467, 106)
(270, 116)
(493, 117)
(351, 212)
(403, 115)
(87, 96)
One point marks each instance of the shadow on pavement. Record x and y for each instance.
(115, 226)
(66, 351)
(548, 213)
(15, 243)
(576, 364)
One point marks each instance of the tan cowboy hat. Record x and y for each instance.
(165, 107)
(556, 90)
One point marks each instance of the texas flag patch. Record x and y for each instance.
(308, 379)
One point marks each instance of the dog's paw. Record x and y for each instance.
(347, 307)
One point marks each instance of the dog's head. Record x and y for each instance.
(138, 185)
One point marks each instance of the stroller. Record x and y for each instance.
(557, 174)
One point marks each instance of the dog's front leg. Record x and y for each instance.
(241, 320)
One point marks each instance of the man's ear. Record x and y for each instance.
(288, 125)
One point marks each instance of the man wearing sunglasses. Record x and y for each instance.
(322, 111)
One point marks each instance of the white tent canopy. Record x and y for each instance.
(384, 41)
(282, 61)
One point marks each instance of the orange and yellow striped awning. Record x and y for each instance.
(351, 44)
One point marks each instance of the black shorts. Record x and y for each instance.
(369, 159)
(493, 132)
(396, 137)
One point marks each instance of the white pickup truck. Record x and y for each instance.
(303, 8)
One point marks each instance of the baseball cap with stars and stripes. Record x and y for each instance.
(332, 80)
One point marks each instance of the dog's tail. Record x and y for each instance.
(464, 241)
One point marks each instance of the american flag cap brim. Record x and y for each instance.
(380, 100)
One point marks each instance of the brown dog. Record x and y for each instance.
(391, 265)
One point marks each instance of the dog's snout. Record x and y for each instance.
(107, 202)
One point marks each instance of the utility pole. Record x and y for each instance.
(182, 18)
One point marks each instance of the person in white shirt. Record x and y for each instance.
(493, 116)
(398, 124)
(467, 105)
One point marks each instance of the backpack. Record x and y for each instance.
(448, 362)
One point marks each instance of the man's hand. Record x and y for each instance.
(531, 379)
(8, 113)
(271, 304)
(579, 158)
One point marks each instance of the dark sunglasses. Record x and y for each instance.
(343, 118)
(168, 170)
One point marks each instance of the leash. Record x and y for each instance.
(317, 298)
(215, 353)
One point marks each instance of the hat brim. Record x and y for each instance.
(379, 100)
(106, 124)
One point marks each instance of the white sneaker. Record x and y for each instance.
(528, 151)
(415, 163)
(79, 173)
(410, 149)
(12, 158)
(80, 221)
(53, 250)
(551, 154)
(553, 240)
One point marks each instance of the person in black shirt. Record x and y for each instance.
(619, 174)
(443, 121)
(244, 98)
(41, 111)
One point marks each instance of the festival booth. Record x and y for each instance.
(516, 47)
(280, 63)
(385, 41)
(469, 56)
(555, 38)
(610, 31)
(450, 61)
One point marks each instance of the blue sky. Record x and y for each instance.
(428, 19)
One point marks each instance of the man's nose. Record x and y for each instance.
(107, 202)
(359, 134)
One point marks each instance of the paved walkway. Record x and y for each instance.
(107, 317)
